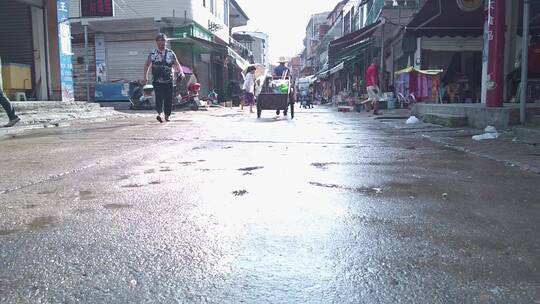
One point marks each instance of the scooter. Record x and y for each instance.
(190, 100)
(141, 96)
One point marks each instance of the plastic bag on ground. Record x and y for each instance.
(486, 136)
(490, 129)
(412, 120)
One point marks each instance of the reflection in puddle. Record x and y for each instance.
(364, 190)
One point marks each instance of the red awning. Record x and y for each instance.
(444, 18)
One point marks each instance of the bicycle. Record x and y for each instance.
(405, 102)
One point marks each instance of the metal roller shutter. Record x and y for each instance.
(16, 33)
(125, 60)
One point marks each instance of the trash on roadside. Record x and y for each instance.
(412, 120)
(490, 133)
(490, 129)
(486, 136)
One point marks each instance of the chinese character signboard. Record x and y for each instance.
(64, 46)
(97, 8)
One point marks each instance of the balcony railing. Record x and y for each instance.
(241, 50)
(378, 5)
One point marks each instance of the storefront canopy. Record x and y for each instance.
(444, 18)
(414, 70)
(351, 41)
(240, 62)
(331, 71)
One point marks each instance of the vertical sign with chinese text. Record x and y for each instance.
(64, 46)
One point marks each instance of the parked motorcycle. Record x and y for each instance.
(141, 96)
(190, 100)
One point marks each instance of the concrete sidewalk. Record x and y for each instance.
(517, 147)
(46, 114)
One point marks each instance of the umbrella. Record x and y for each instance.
(260, 70)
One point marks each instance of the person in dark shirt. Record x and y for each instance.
(165, 65)
(281, 70)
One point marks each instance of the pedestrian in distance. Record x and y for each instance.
(282, 70)
(249, 89)
(6, 104)
(165, 69)
(372, 86)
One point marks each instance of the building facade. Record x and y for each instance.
(258, 44)
(36, 49)
(199, 33)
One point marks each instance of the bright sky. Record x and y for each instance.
(285, 21)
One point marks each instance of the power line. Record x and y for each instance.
(132, 9)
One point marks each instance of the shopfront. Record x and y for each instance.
(29, 32)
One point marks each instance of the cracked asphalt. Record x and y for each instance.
(222, 207)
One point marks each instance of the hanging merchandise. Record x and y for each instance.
(423, 84)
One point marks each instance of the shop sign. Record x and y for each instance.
(97, 8)
(469, 5)
(193, 30)
(64, 46)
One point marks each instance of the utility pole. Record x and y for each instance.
(86, 66)
(524, 63)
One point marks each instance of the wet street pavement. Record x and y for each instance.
(220, 207)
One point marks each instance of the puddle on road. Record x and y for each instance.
(8, 231)
(149, 171)
(325, 166)
(117, 206)
(165, 170)
(186, 163)
(132, 186)
(84, 210)
(86, 195)
(239, 192)
(154, 183)
(364, 190)
(46, 192)
(248, 169)
(40, 222)
(123, 177)
(30, 206)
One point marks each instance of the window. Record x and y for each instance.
(212, 6)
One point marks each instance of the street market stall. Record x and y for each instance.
(413, 85)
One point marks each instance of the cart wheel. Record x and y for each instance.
(292, 110)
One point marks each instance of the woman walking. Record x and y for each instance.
(249, 88)
(164, 65)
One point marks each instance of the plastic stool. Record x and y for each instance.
(20, 96)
